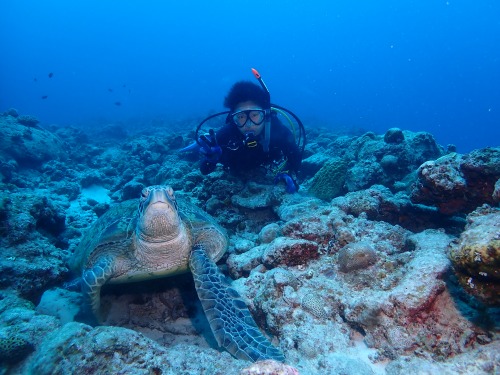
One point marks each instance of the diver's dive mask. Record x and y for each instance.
(256, 116)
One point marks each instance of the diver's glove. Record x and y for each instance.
(210, 151)
(291, 185)
(209, 148)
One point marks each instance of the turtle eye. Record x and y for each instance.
(144, 193)
(170, 192)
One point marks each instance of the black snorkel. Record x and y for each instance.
(267, 121)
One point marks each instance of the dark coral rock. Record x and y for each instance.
(394, 135)
(11, 112)
(69, 189)
(132, 190)
(7, 170)
(363, 175)
(48, 217)
(175, 141)
(28, 120)
(20, 228)
(100, 209)
(40, 266)
(29, 146)
(423, 147)
(390, 163)
(91, 177)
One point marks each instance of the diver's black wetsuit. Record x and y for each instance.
(239, 157)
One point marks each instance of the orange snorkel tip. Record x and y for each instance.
(256, 73)
(261, 81)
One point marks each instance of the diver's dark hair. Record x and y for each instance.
(243, 91)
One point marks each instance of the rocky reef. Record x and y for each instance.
(385, 262)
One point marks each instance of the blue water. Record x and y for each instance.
(427, 65)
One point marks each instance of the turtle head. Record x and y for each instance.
(159, 219)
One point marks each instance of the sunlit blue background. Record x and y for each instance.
(420, 65)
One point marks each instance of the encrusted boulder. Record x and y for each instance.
(357, 255)
(255, 196)
(458, 183)
(27, 143)
(394, 135)
(476, 255)
(289, 252)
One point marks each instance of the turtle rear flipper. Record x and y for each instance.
(229, 318)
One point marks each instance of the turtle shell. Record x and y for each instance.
(115, 226)
(113, 232)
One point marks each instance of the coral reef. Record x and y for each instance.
(359, 283)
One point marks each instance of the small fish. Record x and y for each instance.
(110, 90)
(118, 103)
(51, 75)
(35, 80)
(45, 96)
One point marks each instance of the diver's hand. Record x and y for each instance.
(209, 148)
(291, 185)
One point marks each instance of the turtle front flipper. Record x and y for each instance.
(229, 318)
(92, 281)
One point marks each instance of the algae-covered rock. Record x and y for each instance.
(476, 255)
(328, 182)
(27, 143)
(14, 348)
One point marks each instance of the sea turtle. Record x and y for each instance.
(164, 236)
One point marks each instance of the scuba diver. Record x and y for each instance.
(253, 136)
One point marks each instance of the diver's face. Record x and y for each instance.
(249, 118)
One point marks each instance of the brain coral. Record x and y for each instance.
(355, 256)
(328, 182)
(315, 305)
